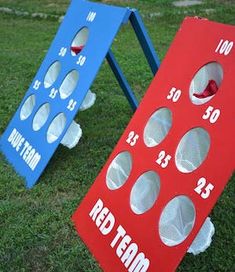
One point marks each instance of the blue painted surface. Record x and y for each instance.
(101, 34)
(144, 41)
(149, 51)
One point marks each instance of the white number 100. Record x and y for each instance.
(224, 47)
(91, 16)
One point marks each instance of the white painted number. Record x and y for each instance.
(174, 94)
(204, 189)
(53, 93)
(63, 51)
(211, 114)
(91, 16)
(81, 60)
(36, 85)
(72, 104)
(132, 138)
(224, 47)
(163, 159)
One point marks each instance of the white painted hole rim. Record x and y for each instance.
(52, 74)
(145, 192)
(210, 71)
(28, 107)
(192, 150)
(157, 127)
(80, 39)
(69, 84)
(119, 170)
(56, 128)
(41, 116)
(177, 220)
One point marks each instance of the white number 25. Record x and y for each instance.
(204, 189)
(132, 138)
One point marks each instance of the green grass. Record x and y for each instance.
(35, 228)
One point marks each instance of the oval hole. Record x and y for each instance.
(79, 41)
(119, 170)
(41, 117)
(192, 150)
(206, 83)
(177, 220)
(56, 128)
(145, 192)
(157, 127)
(27, 107)
(52, 74)
(69, 84)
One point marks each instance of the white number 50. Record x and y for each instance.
(211, 114)
(174, 94)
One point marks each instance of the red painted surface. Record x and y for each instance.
(185, 57)
(77, 49)
(211, 89)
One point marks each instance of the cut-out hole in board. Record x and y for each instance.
(119, 170)
(192, 150)
(177, 220)
(157, 127)
(206, 83)
(145, 192)
(52, 74)
(27, 107)
(56, 128)
(79, 41)
(69, 84)
(41, 117)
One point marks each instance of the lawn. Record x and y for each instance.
(35, 227)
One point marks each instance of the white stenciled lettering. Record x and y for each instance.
(30, 156)
(123, 245)
(129, 255)
(140, 264)
(12, 135)
(108, 224)
(102, 217)
(126, 250)
(120, 233)
(96, 209)
(34, 161)
(26, 145)
(16, 139)
(134, 261)
(26, 151)
(19, 145)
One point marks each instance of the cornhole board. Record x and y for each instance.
(29, 151)
(122, 240)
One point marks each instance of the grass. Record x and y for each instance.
(35, 228)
